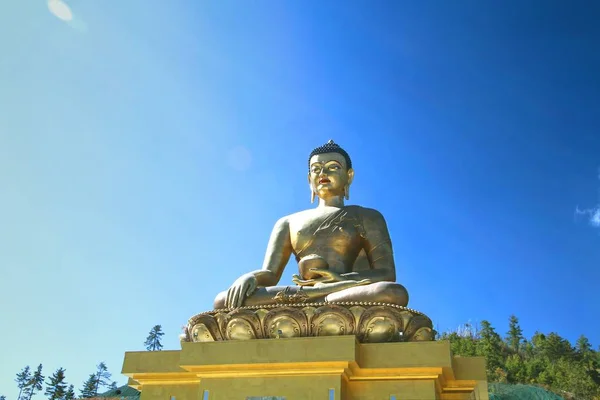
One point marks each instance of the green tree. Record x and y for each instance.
(490, 346)
(113, 386)
(556, 347)
(461, 345)
(56, 388)
(102, 376)
(89, 387)
(514, 337)
(2, 397)
(516, 370)
(36, 382)
(574, 378)
(583, 348)
(152, 342)
(22, 380)
(545, 360)
(70, 394)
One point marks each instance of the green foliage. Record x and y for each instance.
(35, 384)
(23, 379)
(152, 342)
(490, 346)
(56, 388)
(89, 387)
(2, 397)
(514, 337)
(548, 361)
(102, 376)
(70, 394)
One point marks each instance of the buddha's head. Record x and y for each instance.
(330, 172)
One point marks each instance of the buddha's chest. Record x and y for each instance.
(321, 232)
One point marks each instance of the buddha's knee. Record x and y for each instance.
(391, 292)
(220, 300)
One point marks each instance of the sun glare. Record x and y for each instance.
(60, 9)
(239, 158)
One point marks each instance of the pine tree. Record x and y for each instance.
(583, 347)
(56, 386)
(546, 360)
(89, 387)
(2, 397)
(70, 395)
(23, 379)
(516, 370)
(515, 334)
(490, 346)
(556, 348)
(152, 342)
(35, 383)
(102, 376)
(113, 385)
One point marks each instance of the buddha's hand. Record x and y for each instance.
(243, 287)
(326, 276)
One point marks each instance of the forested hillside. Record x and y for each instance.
(545, 360)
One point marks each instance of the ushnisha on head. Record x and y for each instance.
(330, 172)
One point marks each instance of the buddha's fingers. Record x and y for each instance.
(331, 287)
(251, 289)
(229, 298)
(236, 297)
(304, 282)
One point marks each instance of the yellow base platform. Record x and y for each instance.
(319, 368)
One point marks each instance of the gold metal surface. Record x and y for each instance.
(369, 322)
(325, 333)
(333, 243)
(307, 368)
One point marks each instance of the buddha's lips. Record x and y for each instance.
(324, 180)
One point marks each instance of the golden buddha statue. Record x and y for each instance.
(344, 253)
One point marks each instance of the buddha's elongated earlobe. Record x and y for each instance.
(347, 187)
(312, 197)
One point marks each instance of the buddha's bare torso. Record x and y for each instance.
(335, 234)
(348, 239)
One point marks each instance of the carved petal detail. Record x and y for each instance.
(242, 325)
(332, 320)
(205, 329)
(370, 322)
(285, 322)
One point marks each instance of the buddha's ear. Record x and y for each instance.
(350, 176)
(312, 191)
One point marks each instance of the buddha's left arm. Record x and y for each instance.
(378, 248)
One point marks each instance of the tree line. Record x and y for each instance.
(546, 360)
(31, 382)
(549, 361)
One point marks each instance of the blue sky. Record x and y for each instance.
(147, 148)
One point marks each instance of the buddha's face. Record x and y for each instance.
(329, 175)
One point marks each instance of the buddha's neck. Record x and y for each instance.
(334, 201)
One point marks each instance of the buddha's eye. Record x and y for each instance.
(316, 170)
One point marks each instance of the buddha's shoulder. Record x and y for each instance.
(299, 215)
(365, 212)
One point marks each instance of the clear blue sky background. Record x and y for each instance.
(147, 148)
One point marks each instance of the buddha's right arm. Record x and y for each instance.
(277, 255)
